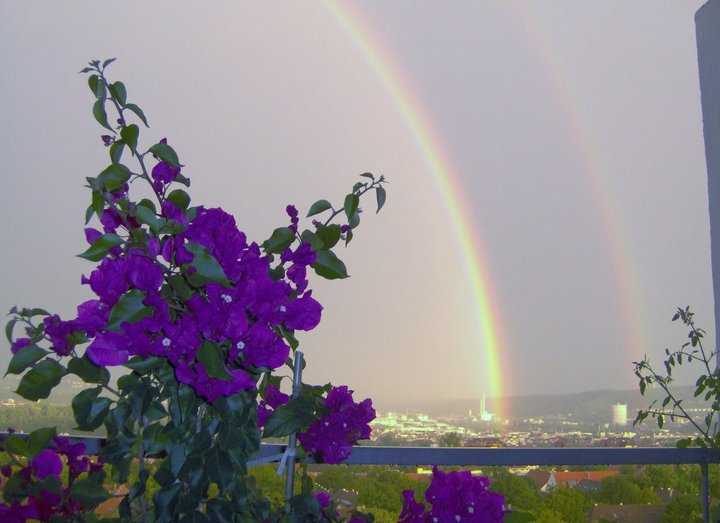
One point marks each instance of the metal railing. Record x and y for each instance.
(498, 457)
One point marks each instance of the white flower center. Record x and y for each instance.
(457, 518)
(166, 342)
(226, 298)
(282, 308)
(240, 345)
(471, 510)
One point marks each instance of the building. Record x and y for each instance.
(619, 414)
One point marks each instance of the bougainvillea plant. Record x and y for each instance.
(201, 319)
(455, 497)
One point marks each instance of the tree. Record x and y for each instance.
(519, 491)
(621, 489)
(572, 505)
(683, 509)
(450, 439)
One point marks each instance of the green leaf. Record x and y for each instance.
(98, 203)
(143, 365)
(116, 150)
(297, 414)
(368, 175)
(118, 91)
(108, 62)
(37, 383)
(86, 370)
(358, 186)
(130, 135)
(100, 114)
(165, 153)
(219, 469)
(25, 358)
(220, 510)
(318, 207)
(138, 112)
(329, 234)
(352, 201)
(16, 445)
(90, 410)
(148, 217)
(100, 247)
(97, 86)
(329, 266)
(280, 240)
(207, 267)
(179, 198)
(88, 492)
(380, 197)
(129, 308)
(9, 327)
(39, 439)
(354, 221)
(114, 177)
(212, 361)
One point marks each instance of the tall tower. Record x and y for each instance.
(484, 414)
(619, 414)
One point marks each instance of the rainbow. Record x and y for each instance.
(630, 304)
(448, 182)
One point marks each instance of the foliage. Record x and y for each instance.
(683, 509)
(450, 439)
(200, 318)
(572, 505)
(519, 491)
(707, 386)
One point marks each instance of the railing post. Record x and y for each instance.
(292, 442)
(705, 491)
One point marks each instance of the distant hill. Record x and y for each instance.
(584, 406)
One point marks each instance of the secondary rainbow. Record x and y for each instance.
(619, 249)
(448, 183)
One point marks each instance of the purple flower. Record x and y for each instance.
(164, 173)
(333, 435)
(91, 235)
(19, 343)
(323, 498)
(455, 496)
(108, 349)
(92, 316)
(292, 212)
(412, 511)
(262, 347)
(58, 332)
(216, 230)
(110, 220)
(46, 463)
(303, 313)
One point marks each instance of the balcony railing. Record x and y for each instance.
(508, 457)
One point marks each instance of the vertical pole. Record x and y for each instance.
(707, 32)
(292, 442)
(705, 492)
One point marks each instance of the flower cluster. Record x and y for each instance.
(331, 437)
(238, 317)
(455, 496)
(35, 491)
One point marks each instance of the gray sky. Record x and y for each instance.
(574, 128)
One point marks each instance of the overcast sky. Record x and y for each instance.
(574, 128)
